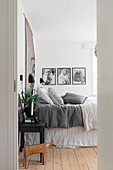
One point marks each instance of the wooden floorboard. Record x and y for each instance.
(49, 161)
(80, 157)
(63, 159)
(73, 160)
(95, 149)
(57, 159)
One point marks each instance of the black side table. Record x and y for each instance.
(31, 127)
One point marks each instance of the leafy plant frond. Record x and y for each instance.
(27, 98)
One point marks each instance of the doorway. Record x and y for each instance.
(58, 38)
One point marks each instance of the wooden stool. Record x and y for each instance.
(34, 149)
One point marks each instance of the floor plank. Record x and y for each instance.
(92, 165)
(63, 159)
(33, 162)
(39, 165)
(73, 160)
(49, 160)
(95, 149)
(20, 160)
(80, 157)
(93, 154)
(57, 159)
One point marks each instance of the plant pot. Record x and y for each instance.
(28, 112)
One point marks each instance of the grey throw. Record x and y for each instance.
(59, 116)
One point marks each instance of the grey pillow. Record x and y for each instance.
(41, 101)
(72, 98)
(55, 97)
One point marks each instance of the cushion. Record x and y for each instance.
(43, 93)
(72, 98)
(55, 97)
(41, 101)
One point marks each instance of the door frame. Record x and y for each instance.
(8, 85)
(11, 152)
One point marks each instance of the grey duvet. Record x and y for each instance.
(65, 116)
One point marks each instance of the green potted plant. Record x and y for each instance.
(27, 98)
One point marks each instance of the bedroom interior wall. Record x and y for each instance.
(20, 46)
(65, 54)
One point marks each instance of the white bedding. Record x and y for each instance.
(71, 138)
(89, 111)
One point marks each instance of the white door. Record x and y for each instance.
(8, 98)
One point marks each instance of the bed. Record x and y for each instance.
(69, 125)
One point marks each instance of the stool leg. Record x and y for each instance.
(23, 160)
(40, 157)
(23, 157)
(43, 157)
(26, 161)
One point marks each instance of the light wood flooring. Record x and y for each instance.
(64, 159)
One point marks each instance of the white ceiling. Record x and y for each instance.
(62, 20)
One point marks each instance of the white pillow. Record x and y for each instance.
(43, 93)
(55, 97)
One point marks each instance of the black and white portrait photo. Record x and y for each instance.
(49, 76)
(79, 76)
(64, 76)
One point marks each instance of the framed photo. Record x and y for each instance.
(49, 76)
(79, 76)
(63, 76)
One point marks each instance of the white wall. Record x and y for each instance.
(65, 54)
(21, 46)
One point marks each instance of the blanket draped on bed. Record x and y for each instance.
(60, 116)
(89, 111)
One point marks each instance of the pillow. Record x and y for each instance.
(43, 93)
(55, 97)
(41, 101)
(72, 98)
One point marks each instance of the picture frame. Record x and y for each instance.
(64, 76)
(79, 75)
(49, 76)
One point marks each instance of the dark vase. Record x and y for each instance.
(28, 111)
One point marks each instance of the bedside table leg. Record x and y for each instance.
(22, 141)
(42, 135)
